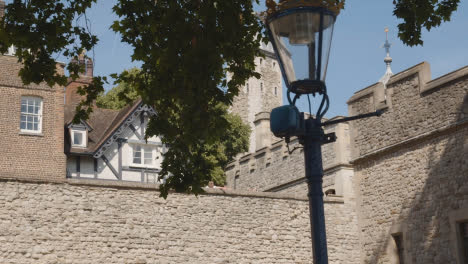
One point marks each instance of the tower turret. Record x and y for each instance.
(260, 95)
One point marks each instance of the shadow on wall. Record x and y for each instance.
(423, 217)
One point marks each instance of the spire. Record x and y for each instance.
(387, 60)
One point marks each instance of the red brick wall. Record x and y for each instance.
(30, 156)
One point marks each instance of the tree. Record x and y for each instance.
(234, 140)
(418, 14)
(185, 47)
(119, 96)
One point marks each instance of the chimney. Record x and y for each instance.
(72, 98)
(2, 8)
(89, 68)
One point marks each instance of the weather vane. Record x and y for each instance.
(387, 44)
(387, 60)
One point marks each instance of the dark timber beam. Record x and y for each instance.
(142, 123)
(132, 127)
(119, 143)
(95, 168)
(78, 166)
(104, 158)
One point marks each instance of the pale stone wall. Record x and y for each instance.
(413, 191)
(86, 221)
(415, 106)
(411, 166)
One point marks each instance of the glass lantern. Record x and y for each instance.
(301, 37)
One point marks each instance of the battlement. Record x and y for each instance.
(273, 168)
(413, 104)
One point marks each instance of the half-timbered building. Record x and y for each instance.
(110, 145)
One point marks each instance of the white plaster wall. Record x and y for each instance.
(131, 176)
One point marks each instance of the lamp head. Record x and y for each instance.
(298, 29)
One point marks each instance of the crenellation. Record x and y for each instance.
(412, 107)
(272, 167)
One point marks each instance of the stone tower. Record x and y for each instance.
(258, 96)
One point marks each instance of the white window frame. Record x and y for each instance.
(142, 164)
(84, 139)
(27, 114)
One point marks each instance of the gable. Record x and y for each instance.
(118, 129)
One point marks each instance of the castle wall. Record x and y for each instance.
(27, 155)
(411, 168)
(86, 221)
(272, 168)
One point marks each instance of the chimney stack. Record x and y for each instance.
(89, 68)
(71, 95)
(2, 8)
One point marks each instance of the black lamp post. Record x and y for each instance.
(306, 25)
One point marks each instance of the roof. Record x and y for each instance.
(104, 123)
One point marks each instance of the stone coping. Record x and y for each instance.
(444, 79)
(155, 187)
(423, 69)
(433, 133)
(424, 75)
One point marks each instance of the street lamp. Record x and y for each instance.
(306, 26)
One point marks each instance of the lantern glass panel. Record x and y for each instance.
(303, 53)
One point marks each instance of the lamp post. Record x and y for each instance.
(308, 25)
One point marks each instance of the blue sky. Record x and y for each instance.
(356, 58)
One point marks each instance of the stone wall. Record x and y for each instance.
(27, 155)
(411, 166)
(116, 222)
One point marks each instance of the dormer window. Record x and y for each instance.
(79, 135)
(79, 138)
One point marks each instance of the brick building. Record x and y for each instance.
(31, 126)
